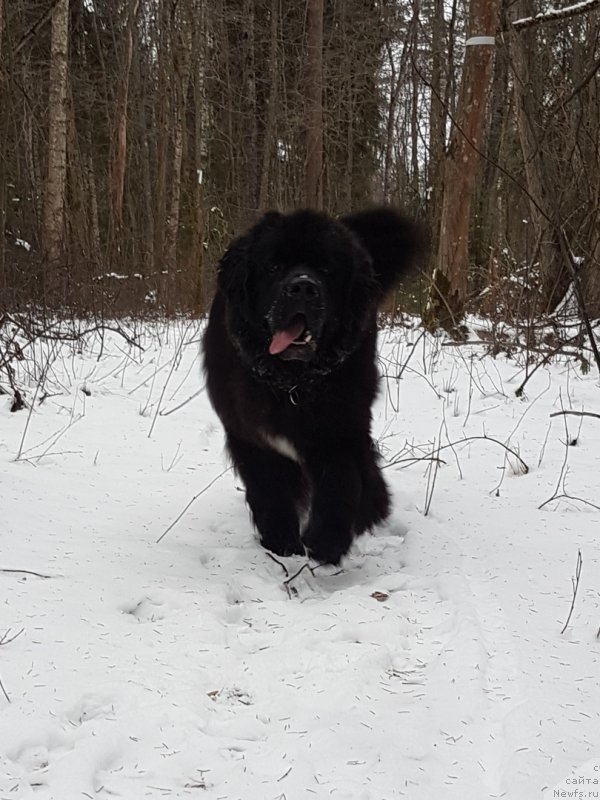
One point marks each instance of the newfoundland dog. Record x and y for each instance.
(290, 361)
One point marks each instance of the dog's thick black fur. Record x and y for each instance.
(290, 361)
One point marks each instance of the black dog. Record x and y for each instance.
(290, 360)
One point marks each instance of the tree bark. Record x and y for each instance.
(79, 228)
(54, 197)
(437, 120)
(201, 117)
(3, 96)
(120, 140)
(269, 135)
(249, 173)
(313, 192)
(554, 277)
(182, 54)
(449, 284)
(415, 142)
(92, 194)
(162, 143)
(1, 26)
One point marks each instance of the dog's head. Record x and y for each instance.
(301, 290)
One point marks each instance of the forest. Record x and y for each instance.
(138, 136)
(150, 646)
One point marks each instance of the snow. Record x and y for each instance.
(556, 13)
(118, 277)
(432, 665)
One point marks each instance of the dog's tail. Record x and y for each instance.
(395, 243)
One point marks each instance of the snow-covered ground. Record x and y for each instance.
(431, 666)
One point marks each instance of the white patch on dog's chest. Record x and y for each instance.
(281, 445)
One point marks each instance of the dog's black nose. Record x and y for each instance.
(302, 287)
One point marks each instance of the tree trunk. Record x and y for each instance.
(3, 99)
(201, 117)
(269, 135)
(162, 144)
(119, 159)
(78, 227)
(390, 116)
(91, 188)
(249, 188)
(437, 120)
(449, 284)
(415, 139)
(313, 95)
(494, 192)
(349, 183)
(181, 72)
(54, 198)
(555, 279)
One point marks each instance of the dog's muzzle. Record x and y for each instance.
(296, 317)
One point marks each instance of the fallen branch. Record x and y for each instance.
(566, 496)
(25, 572)
(5, 636)
(414, 459)
(287, 582)
(575, 414)
(279, 564)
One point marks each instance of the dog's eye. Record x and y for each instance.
(274, 268)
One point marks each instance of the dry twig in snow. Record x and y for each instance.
(193, 500)
(575, 583)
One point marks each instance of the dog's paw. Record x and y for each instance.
(283, 547)
(326, 546)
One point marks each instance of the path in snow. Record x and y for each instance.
(185, 668)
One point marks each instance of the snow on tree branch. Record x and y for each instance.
(556, 14)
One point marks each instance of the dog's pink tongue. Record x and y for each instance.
(282, 339)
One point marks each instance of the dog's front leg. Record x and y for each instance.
(274, 490)
(336, 497)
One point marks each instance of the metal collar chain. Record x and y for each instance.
(293, 395)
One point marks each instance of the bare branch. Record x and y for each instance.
(555, 351)
(556, 14)
(434, 455)
(575, 582)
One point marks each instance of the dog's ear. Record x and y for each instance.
(360, 303)
(234, 266)
(395, 243)
(267, 222)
